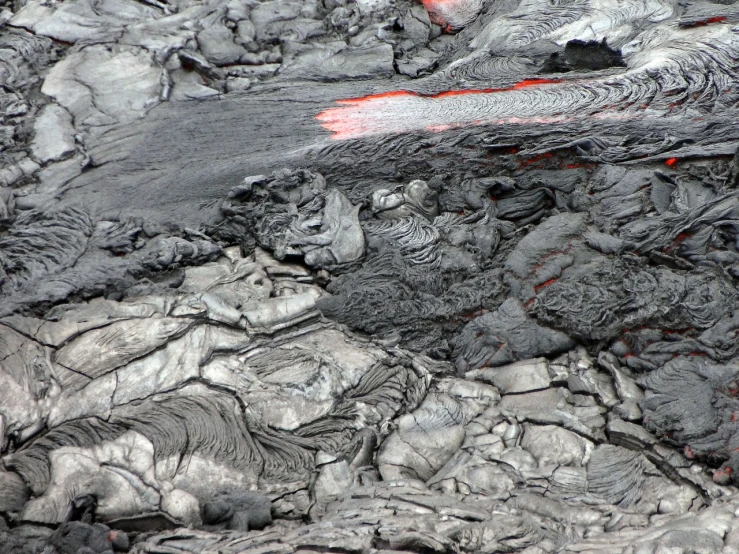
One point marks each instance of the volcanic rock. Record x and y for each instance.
(373, 276)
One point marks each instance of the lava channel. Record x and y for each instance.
(688, 71)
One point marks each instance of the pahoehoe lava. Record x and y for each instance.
(681, 74)
(688, 75)
(377, 276)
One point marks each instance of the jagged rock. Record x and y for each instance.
(628, 411)
(420, 64)
(626, 387)
(592, 382)
(327, 233)
(188, 85)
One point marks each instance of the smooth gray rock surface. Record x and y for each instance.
(53, 134)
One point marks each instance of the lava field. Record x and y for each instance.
(369, 276)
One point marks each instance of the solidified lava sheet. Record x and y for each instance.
(369, 276)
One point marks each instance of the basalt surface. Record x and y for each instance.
(380, 276)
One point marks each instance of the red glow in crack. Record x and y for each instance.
(535, 159)
(704, 22)
(433, 7)
(678, 331)
(678, 239)
(722, 476)
(671, 162)
(537, 288)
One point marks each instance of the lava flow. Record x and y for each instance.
(404, 111)
(661, 82)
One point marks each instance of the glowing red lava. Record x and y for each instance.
(545, 284)
(404, 111)
(704, 22)
(671, 162)
(409, 93)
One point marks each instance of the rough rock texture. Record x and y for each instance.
(368, 277)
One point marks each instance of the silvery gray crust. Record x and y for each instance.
(369, 276)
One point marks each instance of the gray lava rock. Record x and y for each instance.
(244, 511)
(523, 376)
(244, 246)
(74, 536)
(216, 43)
(217, 511)
(54, 134)
(506, 335)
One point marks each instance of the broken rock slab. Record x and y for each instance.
(553, 445)
(595, 383)
(53, 134)
(523, 376)
(630, 435)
(626, 386)
(558, 406)
(363, 62)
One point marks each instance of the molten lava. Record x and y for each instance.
(671, 162)
(403, 111)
